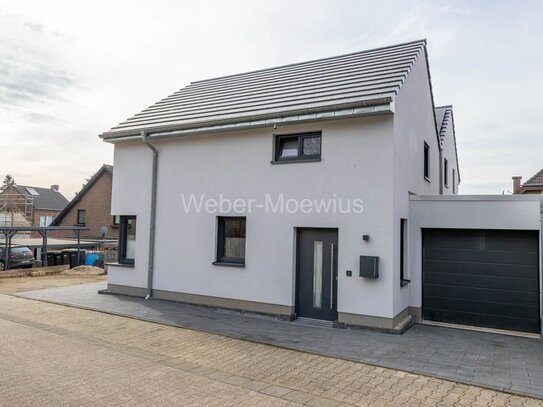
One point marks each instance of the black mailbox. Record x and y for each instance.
(369, 266)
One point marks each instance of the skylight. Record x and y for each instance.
(32, 191)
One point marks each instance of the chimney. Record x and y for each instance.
(516, 184)
(54, 188)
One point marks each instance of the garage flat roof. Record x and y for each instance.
(488, 198)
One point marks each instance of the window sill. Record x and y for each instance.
(228, 264)
(298, 160)
(404, 282)
(427, 179)
(120, 265)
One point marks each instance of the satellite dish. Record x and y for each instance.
(104, 230)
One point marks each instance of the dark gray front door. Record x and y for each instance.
(316, 282)
(487, 278)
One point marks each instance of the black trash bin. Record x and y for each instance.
(73, 258)
(51, 258)
(66, 258)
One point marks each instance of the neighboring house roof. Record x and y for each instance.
(43, 198)
(341, 86)
(86, 188)
(445, 121)
(535, 181)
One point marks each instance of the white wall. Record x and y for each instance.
(131, 195)
(356, 162)
(414, 125)
(518, 212)
(449, 153)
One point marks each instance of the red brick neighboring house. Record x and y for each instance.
(533, 186)
(22, 205)
(91, 208)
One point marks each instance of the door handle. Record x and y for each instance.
(332, 276)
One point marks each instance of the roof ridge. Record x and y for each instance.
(421, 41)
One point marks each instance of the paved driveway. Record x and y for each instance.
(52, 355)
(501, 362)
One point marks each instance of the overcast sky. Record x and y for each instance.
(70, 70)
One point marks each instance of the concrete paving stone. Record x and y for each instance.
(276, 391)
(298, 396)
(447, 352)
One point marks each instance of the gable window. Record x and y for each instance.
(403, 253)
(46, 220)
(426, 162)
(231, 240)
(297, 147)
(446, 173)
(453, 181)
(81, 216)
(127, 239)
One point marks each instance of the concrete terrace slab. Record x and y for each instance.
(507, 363)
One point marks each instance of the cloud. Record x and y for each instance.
(36, 27)
(22, 82)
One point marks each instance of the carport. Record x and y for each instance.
(475, 261)
(10, 231)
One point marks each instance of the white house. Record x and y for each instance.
(297, 191)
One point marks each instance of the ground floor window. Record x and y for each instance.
(127, 239)
(231, 240)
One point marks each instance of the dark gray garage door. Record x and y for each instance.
(487, 278)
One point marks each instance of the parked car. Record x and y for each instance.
(19, 256)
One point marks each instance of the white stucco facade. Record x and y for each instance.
(377, 159)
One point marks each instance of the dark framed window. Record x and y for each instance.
(446, 173)
(81, 216)
(297, 147)
(403, 253)
(454, 181)
(127, 239)
(231, 240)
(116, 220)
(426, 162)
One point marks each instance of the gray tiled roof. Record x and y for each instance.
(47, 198)
(366, 78)
(444, 120)
(536, 180)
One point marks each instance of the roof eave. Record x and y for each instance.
(376, 107)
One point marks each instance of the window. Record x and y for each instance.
(81, 216)
(298, 147)
(116, 220)
(231, 240)
(46, 220)
(403, 253)
(32, 191)
(446, 173)
(453, 181)
(426, 162)
(127, 239)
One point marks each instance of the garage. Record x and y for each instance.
(484, 278)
